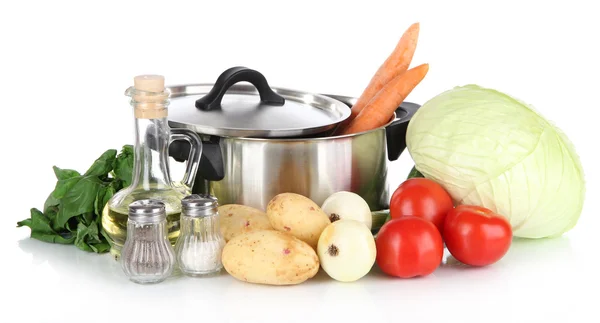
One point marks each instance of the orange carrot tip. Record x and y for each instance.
(395, 64)
(383, 105)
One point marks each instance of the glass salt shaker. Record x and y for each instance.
(147, 255)
(200, 243)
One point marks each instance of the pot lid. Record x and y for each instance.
(252, 110)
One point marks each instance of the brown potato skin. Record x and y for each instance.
(269, 257)
(235, 219)
(299, 216)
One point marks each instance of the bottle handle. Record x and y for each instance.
(193, 160)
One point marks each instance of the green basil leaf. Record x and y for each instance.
(62, 174)
(102, 198)
(67, 178)
(63, 186)
(72, 211)
(79, 200)
(82, 232)
(123, 167)
(51, 213)
(25, 223)
(80, 244)
(103, 165)
(41, 229)
(110, 191)
(88, 237)
(93, 236)
(53, 237)
(37, 221)
(99, 200)
(50, 202)
(116, 185)
(87, 218)
(103, 233)
(100, 247)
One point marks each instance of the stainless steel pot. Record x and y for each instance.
(251, 171)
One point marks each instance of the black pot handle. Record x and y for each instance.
(395, 132)
(212, 100)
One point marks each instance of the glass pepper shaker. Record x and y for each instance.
(200, 243)
(147, 255)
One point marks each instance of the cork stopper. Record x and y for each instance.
(150, 96)
(149, 83)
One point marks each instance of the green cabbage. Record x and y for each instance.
(487, 148)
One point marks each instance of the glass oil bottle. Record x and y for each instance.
(151, 177)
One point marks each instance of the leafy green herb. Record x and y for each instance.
(414, 173)
(64, 173)
(72, 212)
(43, 229)
(103, 165)
(379, 219)
(80, 199)
(123, 167)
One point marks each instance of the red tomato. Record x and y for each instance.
(409, 246)
(421, 197)
(476, 236)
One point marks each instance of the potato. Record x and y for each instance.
(236, 219)
(298, 216)
(269, 257)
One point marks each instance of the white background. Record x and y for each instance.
(65, 65)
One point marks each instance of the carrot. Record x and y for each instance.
(381, 108)
(396, 63)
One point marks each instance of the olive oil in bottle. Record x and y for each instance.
(151, 178)
(114, 220)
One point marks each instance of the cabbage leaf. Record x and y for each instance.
(489, 149)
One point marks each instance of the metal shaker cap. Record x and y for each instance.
(147, 211)
(199, 205)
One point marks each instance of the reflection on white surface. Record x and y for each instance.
(522, 251)
(63, 258)
(68, 259)
(526, 278)
(57, 260)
